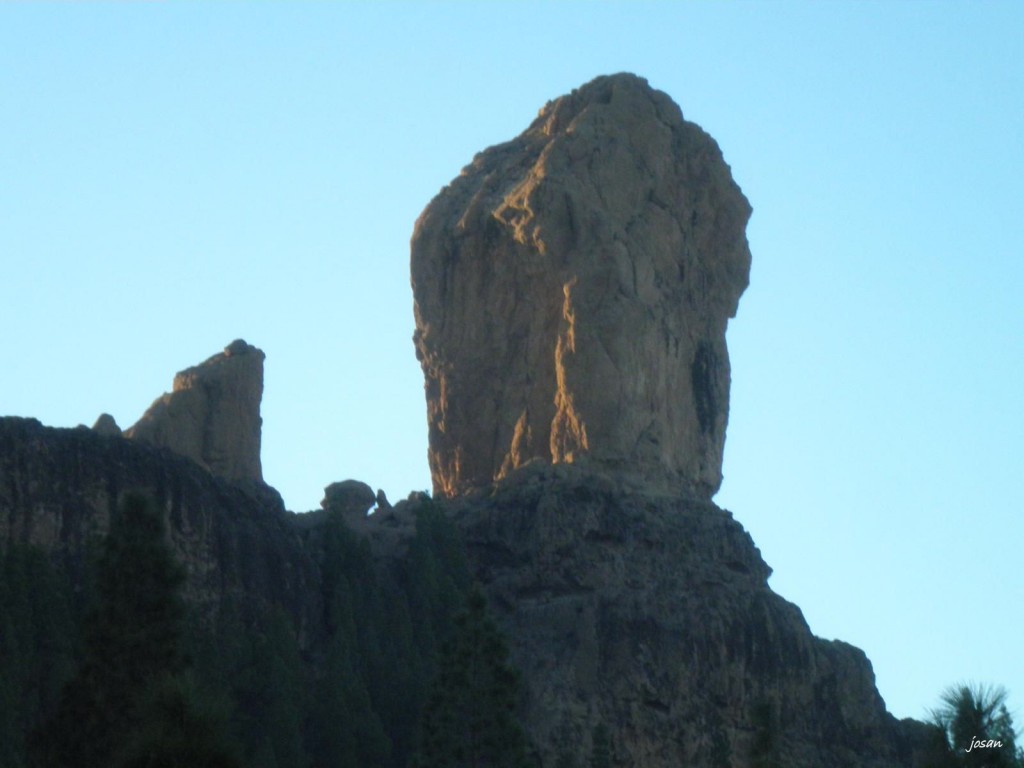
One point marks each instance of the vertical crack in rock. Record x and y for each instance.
(572, 290)
(568, 431)
(705, 387)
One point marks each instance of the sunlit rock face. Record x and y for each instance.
(572, 289)
(212, 414)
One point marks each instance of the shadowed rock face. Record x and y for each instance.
(212, 415)
(59, 488)
(645, 612)
(650, 613)
(106, 425)
(572, 289)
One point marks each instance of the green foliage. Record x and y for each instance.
(972, 720)
(134, 681)
(181, 726)
(268, 686)
(601, 747)
(132, 648)
(357, 697)
(347, 731)
(435, 577)
(469, 720)
(37, 645)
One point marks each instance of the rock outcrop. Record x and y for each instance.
(650, 614)
(212, 414)
(106, 425)
(647, 613)
(572, 291)
(239, 547)
(352, 499)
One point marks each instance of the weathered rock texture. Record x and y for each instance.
(645, 612)
(651, 614)
(212, 415)
(240, 548)
(572, 292)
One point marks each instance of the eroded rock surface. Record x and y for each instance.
(238, 545)
(650, 614)
(572, 291)
(212, 414)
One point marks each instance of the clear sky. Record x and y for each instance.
(177, 175)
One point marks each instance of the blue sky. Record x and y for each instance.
(177, 175)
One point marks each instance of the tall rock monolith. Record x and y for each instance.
(572, 290)
(212, 414)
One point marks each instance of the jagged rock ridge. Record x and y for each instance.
(572, 291)
(212, 414)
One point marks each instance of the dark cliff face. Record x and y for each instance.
(237, 542)
(319, 630)
(651, 614)
(645, 613)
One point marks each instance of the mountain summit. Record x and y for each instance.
(572, 291)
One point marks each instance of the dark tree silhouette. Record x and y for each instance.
(601, 749)
(181, 727)
(976, 728)
(132, 651)
(469, 720)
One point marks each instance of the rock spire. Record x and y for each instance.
(572, 290)
(212, 414)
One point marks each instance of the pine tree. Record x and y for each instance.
(132, 647)
(469, 720)
(36, 645)
(346, 728)
(269, 686)
(601, 747)
(180, 727)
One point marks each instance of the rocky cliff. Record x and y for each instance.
(638, 610)
(572, 291)
(58, 488)
(212, 414)
(650, 613)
